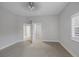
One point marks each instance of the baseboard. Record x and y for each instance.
(50, 41)
(71, 52)
(9, 45)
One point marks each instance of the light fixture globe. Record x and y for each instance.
(31, 6)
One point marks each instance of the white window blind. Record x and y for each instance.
(75, 28)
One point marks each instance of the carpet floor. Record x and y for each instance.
(36, 49)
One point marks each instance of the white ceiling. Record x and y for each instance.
(42, 8)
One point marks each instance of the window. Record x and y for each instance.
(75, 27)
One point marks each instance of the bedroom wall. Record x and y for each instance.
(65, 28)
(11, 27)
(49, 27)
(8, 28)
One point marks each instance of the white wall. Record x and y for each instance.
(65, 29)
(49, 27)
(11, 30)
(8, 28)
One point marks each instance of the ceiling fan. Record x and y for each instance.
(31, 5)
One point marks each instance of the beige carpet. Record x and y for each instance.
(36, 49)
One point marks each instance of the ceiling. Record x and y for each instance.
(41, 8)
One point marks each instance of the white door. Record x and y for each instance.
(32, 32)
(36, 32)
(27, 31)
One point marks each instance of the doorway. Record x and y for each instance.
(32, 32)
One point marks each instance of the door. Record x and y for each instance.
(27, 31)
(37, 32)
(32, 32)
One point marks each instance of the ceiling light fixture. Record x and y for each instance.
(31, 4)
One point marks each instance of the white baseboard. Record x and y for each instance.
(9, 45)
(50, 41)
(71, 52)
